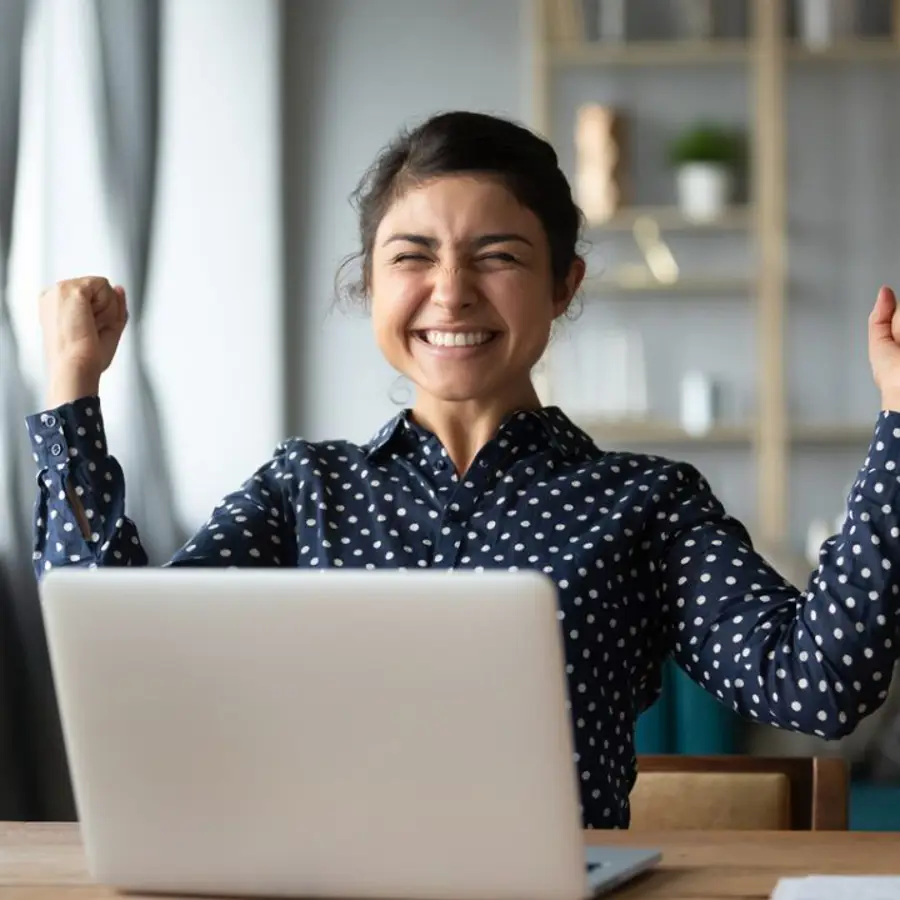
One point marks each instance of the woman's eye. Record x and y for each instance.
(410, 257)
(498, 257)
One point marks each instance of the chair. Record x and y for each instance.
(740, 793)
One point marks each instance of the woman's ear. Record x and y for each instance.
(565, 292)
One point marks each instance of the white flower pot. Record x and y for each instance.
(822, 22)
(704, 190)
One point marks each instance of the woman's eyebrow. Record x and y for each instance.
(483, 240)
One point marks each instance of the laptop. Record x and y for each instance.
(353, 734)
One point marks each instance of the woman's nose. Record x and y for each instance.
(452, 289)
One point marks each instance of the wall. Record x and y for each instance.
(355, 73)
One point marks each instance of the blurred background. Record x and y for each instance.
(737, 164)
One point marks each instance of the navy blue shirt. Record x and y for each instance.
(646, 561)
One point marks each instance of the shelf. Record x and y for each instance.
(642, 283)
(765, 62)
(641, 432)
(649, 53)
(644, 432)
(829, 435)
(859, 50)
(670, 218)
(702, 53)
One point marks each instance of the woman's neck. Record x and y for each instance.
(463, 427)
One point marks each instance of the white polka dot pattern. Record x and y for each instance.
(646, 561)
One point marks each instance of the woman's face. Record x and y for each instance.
(462, 292)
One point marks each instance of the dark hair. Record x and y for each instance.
(452, 143)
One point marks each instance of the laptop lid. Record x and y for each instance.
(274, 732)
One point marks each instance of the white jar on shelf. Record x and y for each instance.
(704, 190)
(822, 22)
(611, 22)
(697, 403)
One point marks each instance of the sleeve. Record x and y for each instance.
(817, 660)
(250, 527)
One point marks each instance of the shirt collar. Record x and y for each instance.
(562, 434)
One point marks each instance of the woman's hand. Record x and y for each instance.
(82, 321)
(884, 348)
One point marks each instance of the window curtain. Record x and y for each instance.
(129, 37)
(18, 467)
(34, 782)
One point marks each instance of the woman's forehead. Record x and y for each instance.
(458, 204)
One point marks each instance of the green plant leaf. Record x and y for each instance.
(707, 142)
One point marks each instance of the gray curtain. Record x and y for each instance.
(34, 782)
(129, 34)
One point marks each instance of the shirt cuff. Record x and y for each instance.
(880, 477)
(72, 431)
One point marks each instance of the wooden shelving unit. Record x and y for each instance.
(830, 435)
(644, 284)
(765, 58)
(650, 53)
(712, 53)
(670, 218)
(642, 433)
(664, 434)
(856, 51)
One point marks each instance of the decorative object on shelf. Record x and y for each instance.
(696, 19)
(659, 266)
(822, 22)
(658, 256)
(611, 375)
(600, 161)
(611, 21)
(706, 159)
(697, 406)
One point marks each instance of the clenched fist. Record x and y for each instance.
(82, 321)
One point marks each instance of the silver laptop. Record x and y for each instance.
(322, 734)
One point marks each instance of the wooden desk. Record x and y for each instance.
(46, 862)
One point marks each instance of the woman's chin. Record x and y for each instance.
(458, 391)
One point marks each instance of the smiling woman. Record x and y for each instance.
(468, 234)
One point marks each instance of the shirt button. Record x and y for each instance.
(440, 465)
(482, 463)
(48, 420)
(56, 449)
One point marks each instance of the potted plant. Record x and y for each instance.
(706, 159)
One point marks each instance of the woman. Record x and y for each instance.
(468, 234)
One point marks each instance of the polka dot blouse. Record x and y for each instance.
(646, 561)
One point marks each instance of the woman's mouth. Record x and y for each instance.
(451, 339)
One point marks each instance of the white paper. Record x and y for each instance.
(838, 887)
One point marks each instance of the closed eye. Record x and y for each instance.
(410, 257)
(485, 257)
(497, 257)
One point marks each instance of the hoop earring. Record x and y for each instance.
(401, 391)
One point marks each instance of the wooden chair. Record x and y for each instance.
(740, 793)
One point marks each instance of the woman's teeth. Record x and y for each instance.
(457, 338)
